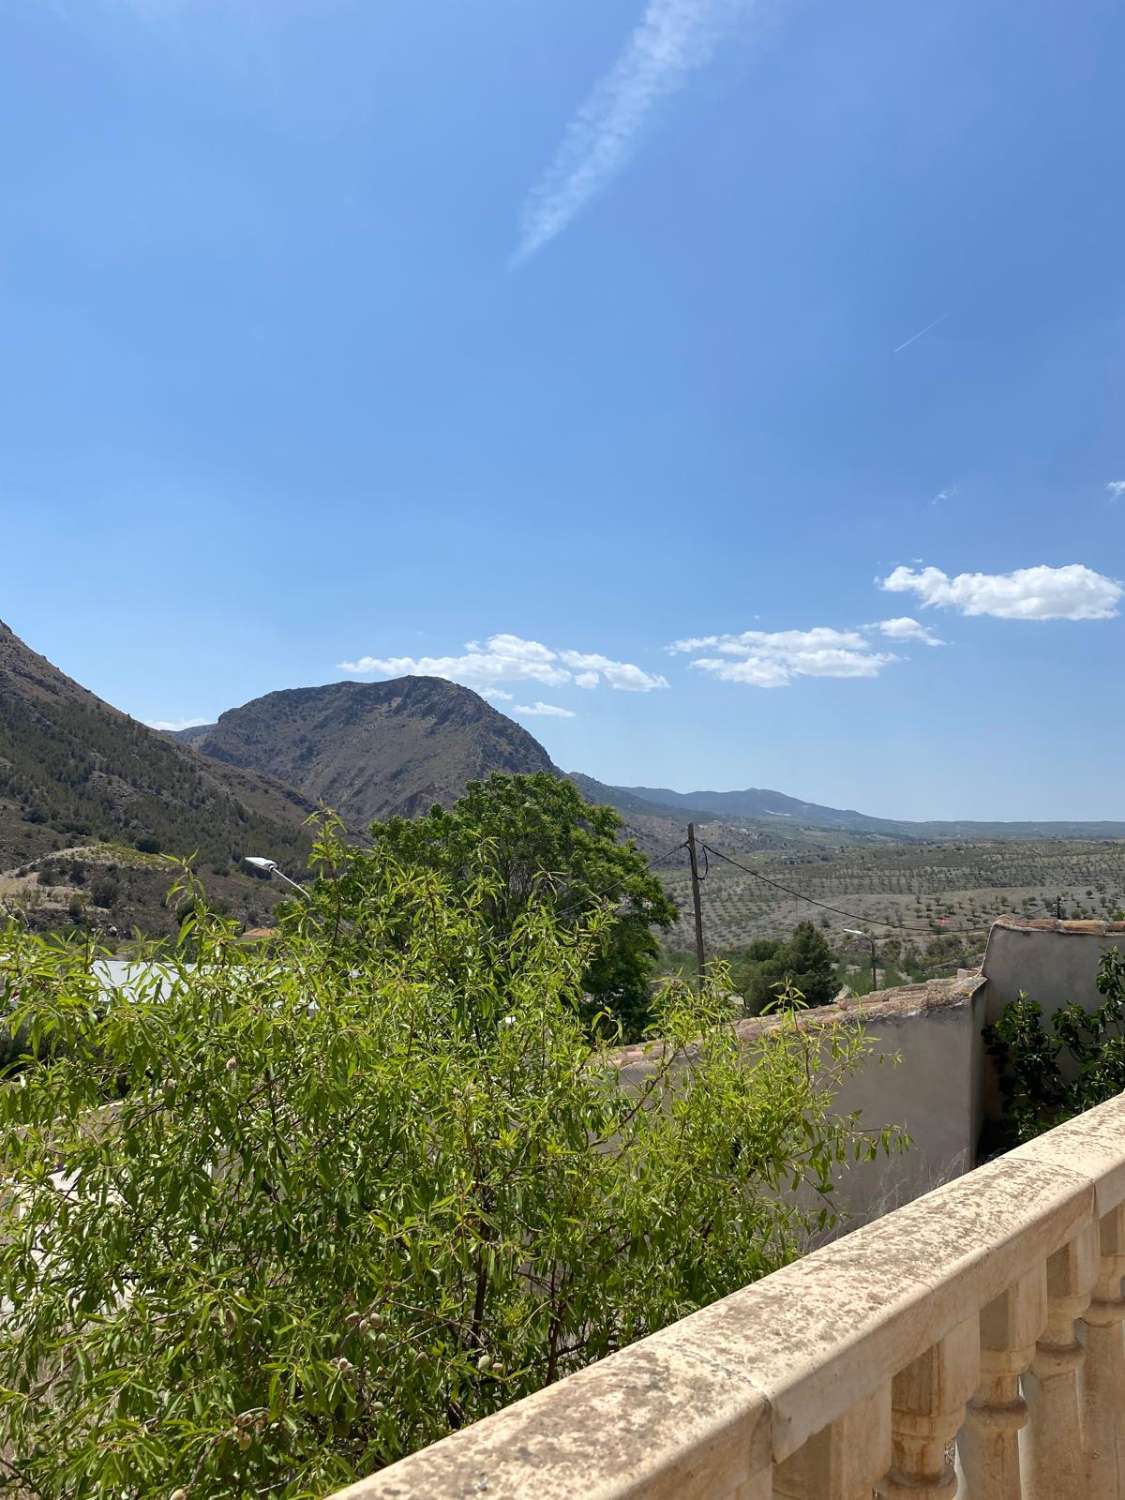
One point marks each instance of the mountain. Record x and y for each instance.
(633, 805)
(758, 802)
(372, 749)
(74, 771)
(774, 811)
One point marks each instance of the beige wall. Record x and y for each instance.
(942, 1090)
(930, 1091)
(1055, 962)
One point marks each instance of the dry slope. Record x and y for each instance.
(74, 771)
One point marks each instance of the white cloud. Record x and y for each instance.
(1072, 592)
(764, 658)
(673, 38)
(497, 695)
(510, 658)
(588, 666)
(545, 710)
(1116, 488)
(170, 726)
(903, 628)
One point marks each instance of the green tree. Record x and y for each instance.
(804, 961)
(525, 836)
(809, 964)
(344, 1199)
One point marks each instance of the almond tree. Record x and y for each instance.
(276, 1218)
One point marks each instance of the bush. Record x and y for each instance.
(355, 1196)
(147, 844)
(105, 893)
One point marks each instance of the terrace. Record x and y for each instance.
(969, 1343)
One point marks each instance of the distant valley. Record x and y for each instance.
(758, 805)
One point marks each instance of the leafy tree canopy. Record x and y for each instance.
(804, 961)
(346, 1197)
(519, 839)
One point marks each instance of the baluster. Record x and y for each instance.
(928, 1406)
(989, 1441)
(1055, 1448)
(845, 1460)
(1104, 1413)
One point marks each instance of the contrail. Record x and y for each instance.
(672, 39)
(921, 334)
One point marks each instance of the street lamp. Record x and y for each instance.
(855, 932)
(270, 867)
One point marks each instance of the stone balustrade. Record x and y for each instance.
(983, 1320)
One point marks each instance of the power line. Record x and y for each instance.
(583, 902)
(840, 912)
(658, 859)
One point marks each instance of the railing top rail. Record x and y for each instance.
(750, 1378)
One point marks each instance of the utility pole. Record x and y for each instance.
(868, 938)
(700, 956)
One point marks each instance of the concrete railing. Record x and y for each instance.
(858, 1367)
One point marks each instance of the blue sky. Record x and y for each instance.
(347, 333)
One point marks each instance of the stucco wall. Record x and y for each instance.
(942, 1090)
(920, 1077)
(1055, 962)
(929, 1091)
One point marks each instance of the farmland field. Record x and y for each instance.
(908, 890)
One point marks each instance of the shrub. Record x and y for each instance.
(352, 1197)
(105, 893)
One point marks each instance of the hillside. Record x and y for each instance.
(75, 771)
(372, 749)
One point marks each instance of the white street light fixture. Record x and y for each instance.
(856, 932)
(270, 867)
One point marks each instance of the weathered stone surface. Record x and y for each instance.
(654, 1420)
(1093, 1146)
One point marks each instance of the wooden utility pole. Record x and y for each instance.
(700, 956)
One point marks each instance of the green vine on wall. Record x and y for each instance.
(1050, 1075)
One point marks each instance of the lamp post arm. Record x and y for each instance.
(307, 894)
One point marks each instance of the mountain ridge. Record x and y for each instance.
(758, 805)
(372, 749)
